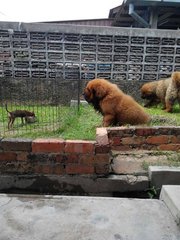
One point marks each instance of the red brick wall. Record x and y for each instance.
(61, 157)
(146, 138)
(53, 156)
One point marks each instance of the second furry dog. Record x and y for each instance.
(165, 91)
(155, 92)
(173, 92)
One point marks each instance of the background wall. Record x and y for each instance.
(67, 54)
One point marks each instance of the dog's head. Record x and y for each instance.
(147, 91)
(29, 114)
(31, 119)
(32, 114)
(95, 90)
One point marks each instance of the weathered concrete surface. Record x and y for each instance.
(164, 175)
(73, 185)
(137, 162)
(170, 194)
(87, 218)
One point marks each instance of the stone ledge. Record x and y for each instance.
(171, 197)
(137, 162)
(163, 175)
(74, 184)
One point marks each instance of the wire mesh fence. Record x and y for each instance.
(46, 98)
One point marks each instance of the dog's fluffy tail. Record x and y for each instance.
(176, 79)
(175, 76)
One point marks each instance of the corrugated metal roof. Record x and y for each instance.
(153, 2)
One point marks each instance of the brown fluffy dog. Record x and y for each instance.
(155, 92)
(116, 107)
(166, 91)
(173, 92)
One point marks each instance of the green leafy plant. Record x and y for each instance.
(152, 192)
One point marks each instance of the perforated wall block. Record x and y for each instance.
(88, 52)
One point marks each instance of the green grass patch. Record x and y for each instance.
(80, 124)
(162, 118)
(69, 123)
(62, 122)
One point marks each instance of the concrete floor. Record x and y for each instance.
(85, 218)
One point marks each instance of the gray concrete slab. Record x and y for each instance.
(84, 218)
(170, 194)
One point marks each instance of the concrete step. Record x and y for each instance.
(70, 218)
(164, 175)
(170, 194)
(75, 185)
(138, 162)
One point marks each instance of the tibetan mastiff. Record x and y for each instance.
(165, 91)
(116, 107)
(173, 92)
(155, 92)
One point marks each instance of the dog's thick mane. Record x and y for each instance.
(96, 105)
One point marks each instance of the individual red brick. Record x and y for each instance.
(48, 145)
(86, 159)
(132, 140)
(58, 169)
(120, 131)
(37, 168)
(39, 157)
(115, 141)
(169, 147)
(8, 156)
(79, 146)
(148, 147)
(16, 167)
(22, 156)
(114, 131)
(163, 139)
(168, 130)
(102, 148)
(72, 158)
(102, 169)
(121, 148)
(145, 131)
(16, 144)
(174, 131)
(79, 169)
(102, 158)
(47, 169)
(174, 139)
(60, 158)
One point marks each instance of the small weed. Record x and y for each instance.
(145, 165)
(174, 159)
(152, 192)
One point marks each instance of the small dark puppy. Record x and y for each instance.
(23, 114)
